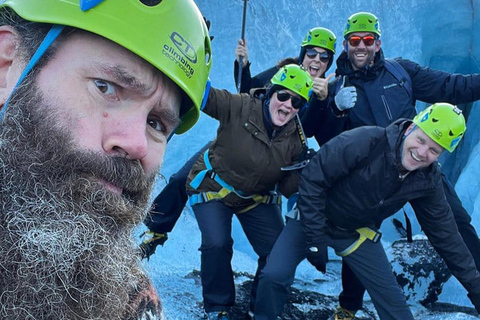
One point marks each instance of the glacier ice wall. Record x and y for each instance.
(441, 34)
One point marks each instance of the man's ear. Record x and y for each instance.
(409, 129)
(9, 61)
(378, 45)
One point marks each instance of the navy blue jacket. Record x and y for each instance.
(353, 181)
(380, 97)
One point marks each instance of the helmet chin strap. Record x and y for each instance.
(55, 30)
(407, 133)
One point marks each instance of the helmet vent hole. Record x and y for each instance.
(450, 133)
(434, 120)
(150, 3)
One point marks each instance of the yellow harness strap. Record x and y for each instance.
(365, 233)
(222, 193)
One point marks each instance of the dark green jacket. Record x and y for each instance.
(242, 154)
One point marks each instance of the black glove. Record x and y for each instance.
(207, 22)
(307, 154)
(317, 256)
(475, 298)
(148, 247)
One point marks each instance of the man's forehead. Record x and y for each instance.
(361, 34)
(319, 49)
(111, 57)
(432, 143)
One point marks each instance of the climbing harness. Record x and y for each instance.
(226, 189)
(309, 153)
(365, 233)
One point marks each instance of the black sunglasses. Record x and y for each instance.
(297, 102)
(312, 53)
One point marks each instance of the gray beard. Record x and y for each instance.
(66, 250)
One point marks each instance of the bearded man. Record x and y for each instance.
(86, 116)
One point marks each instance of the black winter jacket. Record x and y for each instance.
(381, 99)
(353, 182)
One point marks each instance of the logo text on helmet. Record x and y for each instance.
(437, 133)
(184, 56)
(184, 46)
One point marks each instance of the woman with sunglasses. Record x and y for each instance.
(240, 174)
(316, 56)
(318, 44)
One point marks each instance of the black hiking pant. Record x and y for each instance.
(351, 298)
(168, 205)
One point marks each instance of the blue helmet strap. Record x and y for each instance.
(206, 93)
(86, 5)
(55, 30)
(202, 106)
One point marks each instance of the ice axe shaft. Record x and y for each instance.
(240, 61)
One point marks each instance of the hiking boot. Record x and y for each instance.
(218, 315)
(342, 314)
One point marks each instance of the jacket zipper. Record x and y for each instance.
(387, 109)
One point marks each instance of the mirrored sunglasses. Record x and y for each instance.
(367, 40)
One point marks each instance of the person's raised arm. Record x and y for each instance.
(241, 52)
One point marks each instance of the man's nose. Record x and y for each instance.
(423, 150)
(361, 44)
(127, 137)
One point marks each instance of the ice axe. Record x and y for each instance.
(240, 62)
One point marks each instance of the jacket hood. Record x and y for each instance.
(395, 132)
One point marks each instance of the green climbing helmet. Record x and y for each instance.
(443, 123)
(171, 35)
(362, 22)
(295, 79)
(320, 37)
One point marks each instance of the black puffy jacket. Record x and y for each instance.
(353, 181)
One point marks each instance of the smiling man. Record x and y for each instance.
(365, 175)
(87, 109)
(373, 90)
(354, 182)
